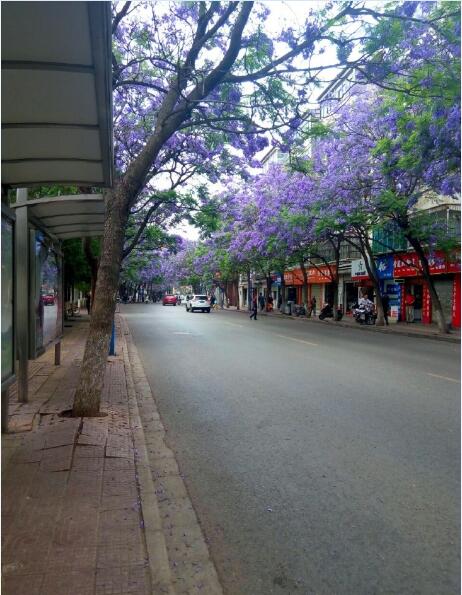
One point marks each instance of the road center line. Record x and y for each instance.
(232, 324)
(298, 340)
(443, 377)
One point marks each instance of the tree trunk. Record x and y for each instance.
(305, 286)
(93, 264)
(249, 292)
(440, 319)
(283, 292)
(373, 274)
(88, 394)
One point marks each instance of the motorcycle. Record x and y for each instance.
(299, 310)
(328, 312)
(364, 314)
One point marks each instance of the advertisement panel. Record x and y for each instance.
(7, 299)
(47, 293)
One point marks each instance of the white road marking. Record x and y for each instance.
(232, 324)
(298, 340)
(444, 377)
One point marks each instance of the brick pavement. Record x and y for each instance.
(96, 506)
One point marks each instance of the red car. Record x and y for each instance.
(169, 299)
(48, 300)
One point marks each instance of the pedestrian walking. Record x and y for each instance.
(261, 301)
(409, 301)
(212, 301)
(269, 306)
(312, 307)
(88, 303)
(254, 309)
(386, 307)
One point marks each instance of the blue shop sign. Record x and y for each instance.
(394, 294)
(385, 266)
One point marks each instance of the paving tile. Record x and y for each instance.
(88, 451)
(27, 558)
(115, 464)
(69, 583)
(118, 502)
(57, 459)
(88, 464)
(22, 585)
(121, 581)
(132, 554)
(76, 526)
(67, 559)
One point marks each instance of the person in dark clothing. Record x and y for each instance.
(254, 308)
(386, 307)
(269, 307)
(88, 303)
(312, 307)
(261, 301)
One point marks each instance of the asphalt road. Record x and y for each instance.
(319, 459)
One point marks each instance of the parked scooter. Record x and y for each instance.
(299, 310)
(364, 313)
(327, 311)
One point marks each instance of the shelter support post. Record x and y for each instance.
(22, 294)
(5, 403)
(58, 354)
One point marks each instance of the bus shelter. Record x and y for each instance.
(56, 129)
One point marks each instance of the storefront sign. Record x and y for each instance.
(320, 274)
(426, 305)
(358, 270)
(288, 277)
(455, 318)
(384, 266)
(408, 265)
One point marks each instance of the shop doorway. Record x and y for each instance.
(292, 294)
(350, 296)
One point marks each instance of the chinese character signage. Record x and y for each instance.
(408, 265)
(321, 274)
(358, 270)
(385, 266)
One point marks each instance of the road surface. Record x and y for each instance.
(319, 459)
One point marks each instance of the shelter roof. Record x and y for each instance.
(68, 217)
(56, 93)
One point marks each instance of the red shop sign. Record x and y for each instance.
(288, 277)
(408, 265)
(320, 274)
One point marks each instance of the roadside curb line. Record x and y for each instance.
(181, 561)
(161, 580)
(358, 327)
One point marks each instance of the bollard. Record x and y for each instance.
(112, 343)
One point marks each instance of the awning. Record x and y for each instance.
(68, 217)
(56, 93)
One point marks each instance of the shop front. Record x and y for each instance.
(446, 278)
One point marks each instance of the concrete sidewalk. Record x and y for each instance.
(425, 331)
(96, 505)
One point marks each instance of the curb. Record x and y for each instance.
(156, 546)
(179, 558)
(372, 328)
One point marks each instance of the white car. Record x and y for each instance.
(197, 302)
